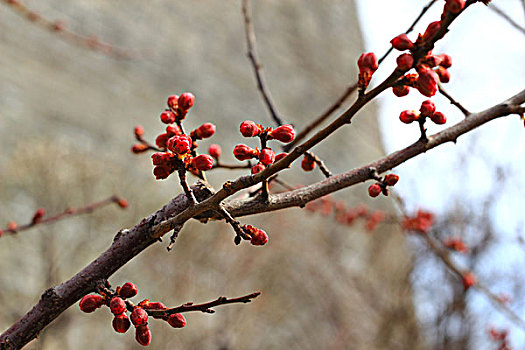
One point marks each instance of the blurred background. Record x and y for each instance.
(66, 126)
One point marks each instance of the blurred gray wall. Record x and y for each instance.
(66, 121)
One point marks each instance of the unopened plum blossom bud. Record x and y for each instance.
(454, 6)
(128, 290)
(280, 156)
(205, 130)
(367, 62)
(266, 156)
(121, 323)
(243, 152)
(121, 202)
(90, 303)
(391, 179)
(443, 74)
(161, 172)
(250, 129)
(374, 190)
(469, 279)
(307, 164)
(139, 316)
(259, 237)
(215, 151)
(408, 117)
(432, 29)
(39, 215)
(427, 83)
(143, 335)
(405, 62)
(173, 130)
(400, 90)
(446, 61)
(176, 320)
(173, 101)
(402, 43)
(117, 305)
(438, 118)
(284, 133)
(180, 144)
(186, 101)
(257, 168)
(162, 139)
(160, 158)
(139, 148)
(202, 162)
(167, 117)
(139, 131)
(427, 108)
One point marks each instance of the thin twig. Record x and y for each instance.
(324, 169)
(235, 224)
(257, 67)
(349, 90)
(68, 213)
(206, 307)
(219, 165)
(507, 17)
(184, 184)
(463, 110)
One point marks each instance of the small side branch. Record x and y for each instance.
(322, 166)
(507, 17)
(463, 110)
(257, 67)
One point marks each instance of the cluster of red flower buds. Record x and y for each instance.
(178, 149)
(257, 236)
(367, 64)
(421, 223)
(119, 305)
(500, 337)
(427, 110)
(456, 243)
(266, 156)
(431, 69)
(381, 186)
(344, 215)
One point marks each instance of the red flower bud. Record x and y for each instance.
(250, 129)
(162, 139)
(432, 29)
(443, 74)
(117, 305)
(432, 60)
(128, 290)
(402, 43)
(205, 130)
(161, 172)
(307, 164)
(121, 202)
(139, 131)
(374, 190)
(215, 151)
(280, 156)
(401, 90)
(167, 117)
(438, 118)
(173, 130)
(446, 61)
(121, 323)
(139, 148)
(454, 6)
(243, 152)
(160, 158)
(12, 225)
(257, 168)
(143, 335)
(284, 133)
(427, 108)
(259, 237)
(427, 83)
(202, 162)
(180, 144)
(186, 101)
(469, 279)
(391, 179)
(39, 214)
(408, 117)
(139, 316)
(173, 101)
(367, 62)
(267, 156)
(90, 303)
(176, 320)
(405, 62)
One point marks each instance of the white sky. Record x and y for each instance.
(488, 57)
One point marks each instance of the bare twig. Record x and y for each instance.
(507, 17)
(463, 110)
(324, 169)
(67, 213)
(91, 43)
(257, 67)
(219, 165)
